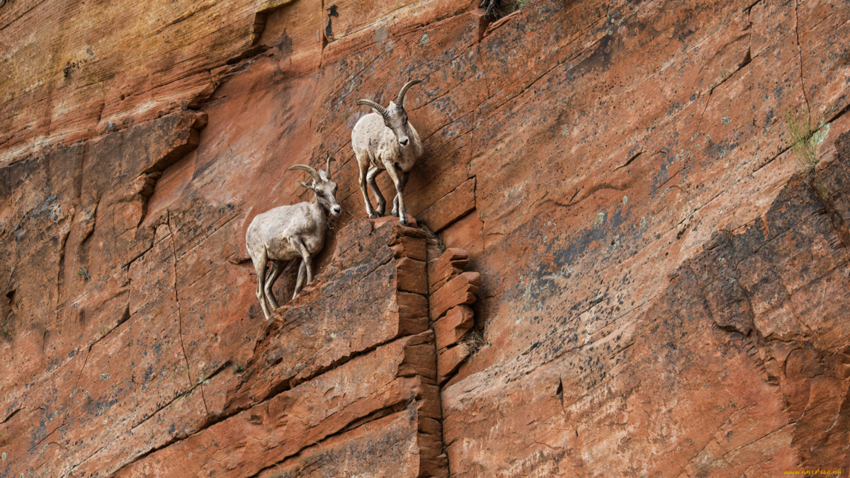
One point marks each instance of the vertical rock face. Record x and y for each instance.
(660, 291)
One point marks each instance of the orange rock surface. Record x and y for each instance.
(655, 287)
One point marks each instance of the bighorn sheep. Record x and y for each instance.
(290, 232)
(385, 140)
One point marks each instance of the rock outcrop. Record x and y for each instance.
(631, 276)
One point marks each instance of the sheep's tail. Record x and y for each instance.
(238, 259)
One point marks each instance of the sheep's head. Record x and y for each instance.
(322, 185)
(395, 117)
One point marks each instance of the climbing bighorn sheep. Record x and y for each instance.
(290, 232)
(385, 140)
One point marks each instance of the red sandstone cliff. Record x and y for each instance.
(661, 291)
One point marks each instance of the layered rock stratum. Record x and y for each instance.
(619, 266)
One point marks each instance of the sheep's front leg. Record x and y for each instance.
(306, 265)
(399, 200)
(370, 178)
(364, 165)
(277, 268)
(260, 267)
(299, 283)
(404, 177)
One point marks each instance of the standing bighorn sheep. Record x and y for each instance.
(385, 140)
(290, 232)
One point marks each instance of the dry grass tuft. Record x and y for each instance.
(805, 138)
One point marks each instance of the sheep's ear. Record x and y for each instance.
(306, 185)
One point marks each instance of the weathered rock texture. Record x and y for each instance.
(660, 291)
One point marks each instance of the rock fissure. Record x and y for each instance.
(70, 472)
(674, 374)
(800, 55)
(209, 422)
(174, 261)
(10, 415)
(25, 13)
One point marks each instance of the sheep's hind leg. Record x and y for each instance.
(364, 165)
(399, 200)
(379, 198)
(260, 268)
(277, 268)
(404, 178)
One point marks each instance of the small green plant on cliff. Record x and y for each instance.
(474, 342)
(805, 138)
(313, 457)
(496, 9)
(284, 474)
(433, 239)
(84, 273)
(515, 6)
(101, 333)
(238, 368)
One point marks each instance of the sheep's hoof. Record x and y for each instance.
(395, 213)
(372, 215)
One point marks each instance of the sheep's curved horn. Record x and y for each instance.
(378, 108)
(400, 100)
(328, 166)
(310, 170)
